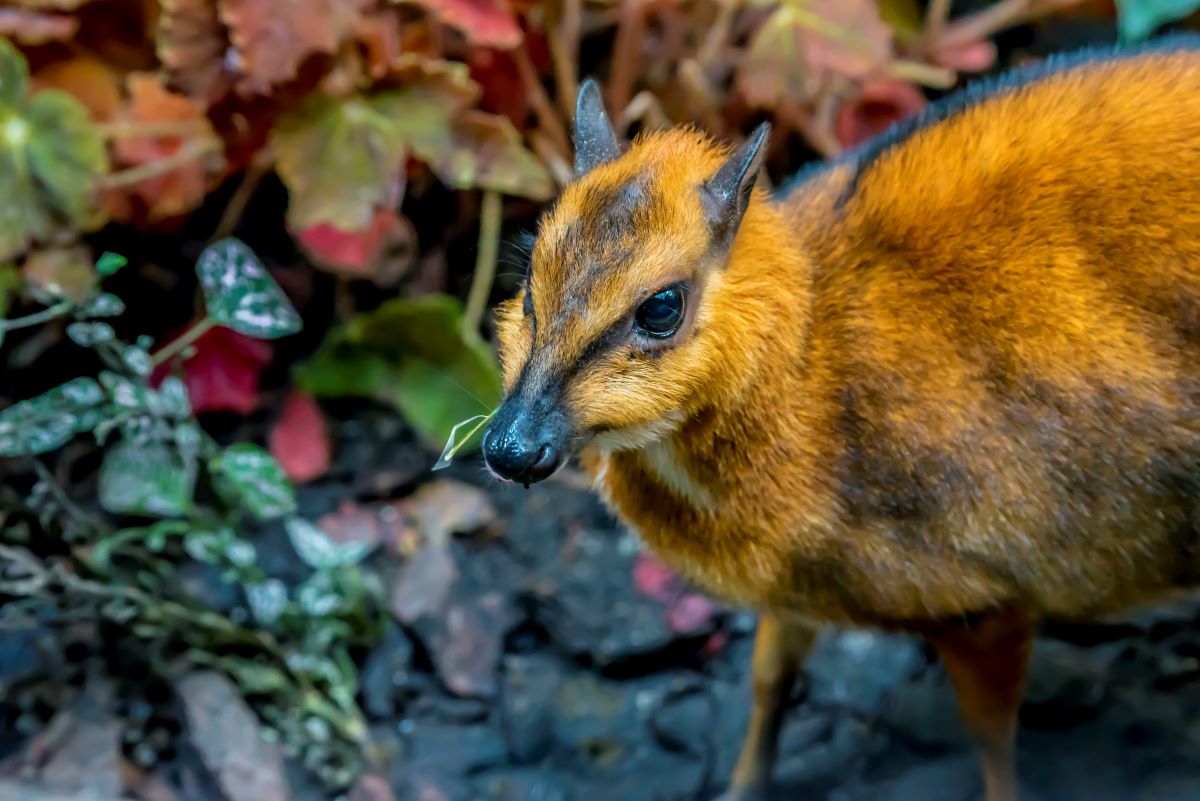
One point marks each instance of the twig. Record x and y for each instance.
(190, 152)
(627, 52)
(485, 261)
(36, 576)
(993, 19)
(564, 51)
(241, 197)
(155, 130)
(45, 315)
(936, 17)
(179, 345)
(923, 74)
(716, 35)
(548, 117)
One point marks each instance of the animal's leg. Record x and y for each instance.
(779, 651)
(987, 663)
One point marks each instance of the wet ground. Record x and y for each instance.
(536, 654)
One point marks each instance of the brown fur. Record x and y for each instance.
(955, 377)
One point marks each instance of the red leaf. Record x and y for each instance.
(222, 373)
(881, 103)
(653, 579)
(485, 22)
(360, 254)
(299, 440)
(503, 93)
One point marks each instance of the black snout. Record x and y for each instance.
(524, 446)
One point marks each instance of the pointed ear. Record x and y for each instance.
(726, 195)
(595, 141)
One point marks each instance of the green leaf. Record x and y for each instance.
(50, 420)
(10, 282)
(256, 480)
(66, 155)
(339, 159)
(415, 355)
(169, 400)
(109, 263)
(14, 75)
(148, 478)
(103, 304)
(318, 551)
(267, 600)
(1138, 19)
(241, 294)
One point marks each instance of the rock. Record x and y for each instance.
(858, 669)
(21, 659)
(466, 640)
(28, 791)
(385, 673)
(1067, 684)
(521, 784)
(850, 740)
(950, 779)
(924, 713)
(450, 750)
(526, 705)
(228, 737)
(89, 759)
(370, 787)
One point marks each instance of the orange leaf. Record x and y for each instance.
(178, 190)
(91, 81)
(490, 23)
(271, 38)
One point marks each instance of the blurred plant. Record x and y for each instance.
(169, 495)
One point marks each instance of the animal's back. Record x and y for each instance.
(1005, 342)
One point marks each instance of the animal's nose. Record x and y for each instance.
(520, 456)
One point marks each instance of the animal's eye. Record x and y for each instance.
(661, 315)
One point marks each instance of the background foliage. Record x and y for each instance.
(313, 198)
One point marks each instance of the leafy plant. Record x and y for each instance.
(291, 657)
(1140, 18)
(415, 354)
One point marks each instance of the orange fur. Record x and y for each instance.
(955, 375)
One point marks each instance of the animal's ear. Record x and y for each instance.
(595, 140)
(726, 195)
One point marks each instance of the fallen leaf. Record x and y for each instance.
(880, 104)
(89, 80)
(271, 38)
(181, 189)
(61, 273)
(489, 23)
(424, 582)
(379, 34)
(33, 28)
(352, 523)
(228, 737)
(299, 439)
(222, 373)
(192, 46)
(466, 643)
(488, 153)
(446, 507)
(691, 613)
(383, 251)
(503, 92)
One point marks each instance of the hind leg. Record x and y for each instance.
(987, 664)
(779, 651)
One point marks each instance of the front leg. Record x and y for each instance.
(987, 663)
(779, 651)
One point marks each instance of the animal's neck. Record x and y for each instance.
(757, 331)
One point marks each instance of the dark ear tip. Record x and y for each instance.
(761, 133)
(589, 92)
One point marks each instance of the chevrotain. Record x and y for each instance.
(945, 384)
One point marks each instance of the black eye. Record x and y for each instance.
(661, 314)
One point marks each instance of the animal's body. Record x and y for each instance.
(948, 384)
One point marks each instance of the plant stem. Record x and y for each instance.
(190, 152)
(45, 315)
(181, 344)
(485, 261)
